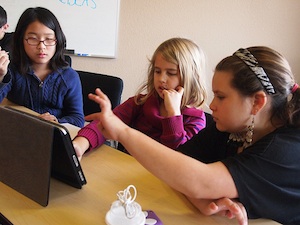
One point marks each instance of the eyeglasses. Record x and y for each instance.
(36, 42)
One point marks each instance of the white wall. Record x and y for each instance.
(218, 26)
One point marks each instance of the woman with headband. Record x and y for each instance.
(246, 164)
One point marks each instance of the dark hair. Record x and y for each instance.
(285, 105)
(3, 17)
(46, 17)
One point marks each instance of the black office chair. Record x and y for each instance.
(112, 86)
(69, 60)
(209, 118)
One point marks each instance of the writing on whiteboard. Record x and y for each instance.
(83, 3)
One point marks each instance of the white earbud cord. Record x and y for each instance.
(127, 200)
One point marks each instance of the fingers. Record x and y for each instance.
(4, 57)
(211, 209)
(49, 117)
(94, 116)
(81, 144)
(100, 98)
(172, 101)
(232, 209)
(180, 89)
(3, 53)
(77, 150)
(4, 61)
(104, 104)
(237, 211)
(241, 216)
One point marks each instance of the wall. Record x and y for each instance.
(74, 16)
(219, 26)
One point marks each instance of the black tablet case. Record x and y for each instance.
(31, 151)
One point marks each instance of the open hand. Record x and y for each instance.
(109, 124)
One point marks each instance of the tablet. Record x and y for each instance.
(32, 150)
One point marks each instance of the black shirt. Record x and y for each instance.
(266, 174)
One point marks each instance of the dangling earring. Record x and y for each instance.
(249, 134)
(245, 138)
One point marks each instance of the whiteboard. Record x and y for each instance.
(90, 26)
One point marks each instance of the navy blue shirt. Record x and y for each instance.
(59, 94)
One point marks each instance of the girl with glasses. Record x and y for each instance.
(38, 77)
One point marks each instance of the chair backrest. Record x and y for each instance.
(112, 86)
(209, 118)
(69, 60)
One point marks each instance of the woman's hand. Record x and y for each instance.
(109, 124)
(222, 207)
(230, 209)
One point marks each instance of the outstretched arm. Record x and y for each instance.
(192, 178)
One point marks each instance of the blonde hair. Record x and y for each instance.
(191, 63)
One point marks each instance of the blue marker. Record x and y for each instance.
(82, 54)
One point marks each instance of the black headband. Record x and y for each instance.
(252, 63)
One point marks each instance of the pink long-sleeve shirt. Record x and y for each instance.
(171, 131)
